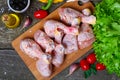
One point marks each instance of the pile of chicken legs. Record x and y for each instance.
(59, 39)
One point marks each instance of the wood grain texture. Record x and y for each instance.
(69, 59)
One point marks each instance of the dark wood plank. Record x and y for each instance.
(12, 67)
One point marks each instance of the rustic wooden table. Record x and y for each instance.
(11, 65)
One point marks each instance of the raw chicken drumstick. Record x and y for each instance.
(86, 36)
(89, 19)
(44, 41)
(70, 43)
(59, 53)
(56, 30)
(74, 17)
(70, 16)
(31, 48)
(44, 65)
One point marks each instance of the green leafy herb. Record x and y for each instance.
(107, 32)
(93, 69)
(87, 73)
(48, 5)
(90, 71)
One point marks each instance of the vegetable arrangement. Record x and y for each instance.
(49, 3)
(54, 1)
(89, 65)
(107, 32)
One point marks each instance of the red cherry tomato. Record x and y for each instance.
(39, 14)
(100, 66)
(84, 65)
(91, 58)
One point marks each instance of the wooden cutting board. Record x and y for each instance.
(69, 59)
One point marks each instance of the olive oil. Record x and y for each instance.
(10, 20)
